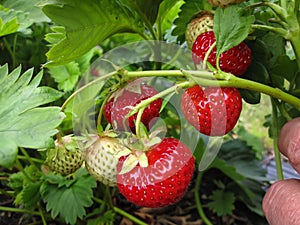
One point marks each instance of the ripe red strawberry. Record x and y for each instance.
(164, 180)
(203, 22)
(235, 60)
(212, 111)
(120, 104)
(224, 3)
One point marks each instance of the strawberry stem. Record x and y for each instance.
(284, 33)
(28, 158)
(198, 202)
(99, 118)
(278, 10)
(207, 55)
(275, 140)
(31, 158)
(122, 212)
(44, 221)
(19, 210)
(161, 94)
(138, 122)
(287, 12)
(102, 78)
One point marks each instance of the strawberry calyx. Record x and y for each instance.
(66, 143)
(135, 148)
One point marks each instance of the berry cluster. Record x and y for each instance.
(151, 171)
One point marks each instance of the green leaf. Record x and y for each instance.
(222, 202)
(231, 27)
(253, 141)
(18, 15)
(77, 196)
(8, 152)
(31, 194)
(239, 155)
(167, 12)
(249, 96)
(26, 188)
(8, 23)
(86, 23)
(147, 9)
(66, 76)
(22, 122)
(107, 219)
(188, 10)
(285, 68)
(29, 9)
(227, 169)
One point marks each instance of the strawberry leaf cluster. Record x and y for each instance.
(22, 98)
(57, 191)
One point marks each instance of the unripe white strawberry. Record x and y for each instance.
(101, 158)
(224, 3)
(201, 23)
(66, 157)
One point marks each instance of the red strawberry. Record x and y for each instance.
(117, 107)
(164, 180)
(235, 60)
(212, 111)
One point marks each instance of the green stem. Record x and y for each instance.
(32, 159)
(14, 63)
(295, 41)
(108, 197)
(138, 122)
(275, 140)
(122, 212)
(284, 33)
(296, 7)
(99, 118)
(129, 216)
(12, 51)
(161, 94)
(8, 193)
(205, 78)
(42, 216)
(255, 86)
(283, 110)
(18, 210)
(28, 158)
(164, 73)
(288, 15)
(207, 55)
(198, 202)
(106, 76)
(279, 10)
(173, 60)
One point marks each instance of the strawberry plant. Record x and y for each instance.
(110, 109)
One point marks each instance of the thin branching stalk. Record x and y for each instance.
(198, 201)
(275, 127)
